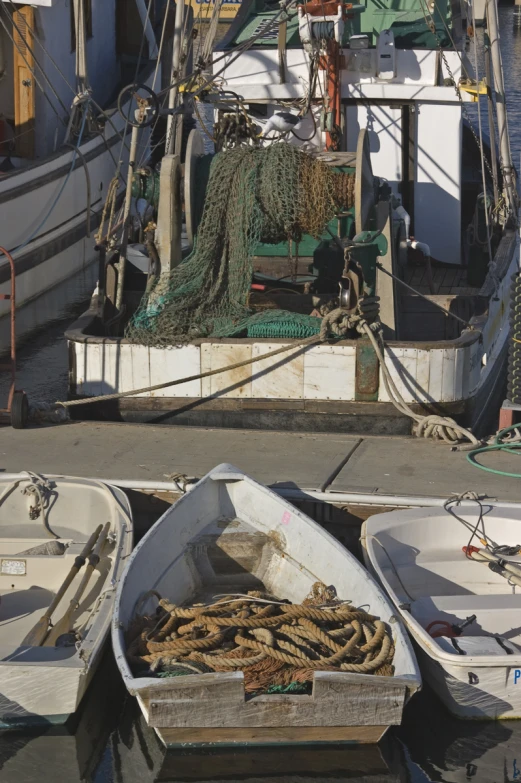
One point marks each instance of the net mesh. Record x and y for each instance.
(267, 195)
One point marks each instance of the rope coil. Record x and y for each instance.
(272, 643)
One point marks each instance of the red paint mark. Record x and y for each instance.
(286, 518)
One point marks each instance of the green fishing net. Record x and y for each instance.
(272, 194)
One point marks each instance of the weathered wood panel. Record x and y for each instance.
(368, 735)
(24, 81)
(284, 382)
(234, 383)
(217, 700)
(330, 372)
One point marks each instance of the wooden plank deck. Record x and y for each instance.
(450, 282)
(378, 464)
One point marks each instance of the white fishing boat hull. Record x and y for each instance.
(309, 388)
(429, 581)
(49, 247)
(45, 684)
(295, 554)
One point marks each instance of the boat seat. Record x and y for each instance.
(495, 613)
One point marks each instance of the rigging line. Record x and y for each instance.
(146, 152)
(489, 542)
(46, 52)
(17, 47)
(485, 194)
(426, 16)
(237, 49)
(71, 88)
(31, 52)
(138, 65)
(37, 230)
(463, 69)
(163, 32)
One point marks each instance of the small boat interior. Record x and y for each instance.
(422, 559)
(230, 555)
(44, 526)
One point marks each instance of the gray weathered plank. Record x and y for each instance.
(217, 700)
(357, 735)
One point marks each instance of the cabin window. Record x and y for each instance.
(87, 4)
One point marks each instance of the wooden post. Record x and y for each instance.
(126, 215)
(171, 131)
(24, 84)
(168, 232)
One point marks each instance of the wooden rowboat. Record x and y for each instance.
(230, 534)
(459, 600)
(56, 595)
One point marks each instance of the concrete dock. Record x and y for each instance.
(334, 463)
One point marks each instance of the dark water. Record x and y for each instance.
(110, 743)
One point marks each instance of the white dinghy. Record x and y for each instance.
(454, 574)
(227, 536)
(63, 542)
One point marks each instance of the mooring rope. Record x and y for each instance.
(273, 644)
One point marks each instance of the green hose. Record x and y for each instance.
(498, 445)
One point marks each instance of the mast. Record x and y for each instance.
(82, 82)
(502, 122)
(81, 99)
(176, 62)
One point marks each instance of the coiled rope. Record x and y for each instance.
(273, 643)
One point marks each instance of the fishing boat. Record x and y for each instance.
(419, 246)
(453, 574)
(63, 543)
(230, 535)
(61, 139)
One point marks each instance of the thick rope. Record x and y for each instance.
(274, 643)
(437, 427)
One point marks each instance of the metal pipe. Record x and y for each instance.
(502, 121)
(12, 315)
(491, 124)
(294, 493)
(176, 61)
(126, 215)
(82, 81)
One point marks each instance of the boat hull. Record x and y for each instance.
(417, 557)
(229, 533)
(43, 683)
(41, 695)
(492, 695)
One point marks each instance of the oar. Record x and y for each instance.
(36, 635)
(65, 623)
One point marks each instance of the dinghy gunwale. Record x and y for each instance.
(386, 521)
(411, 679)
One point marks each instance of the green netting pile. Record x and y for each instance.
(270, 195)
